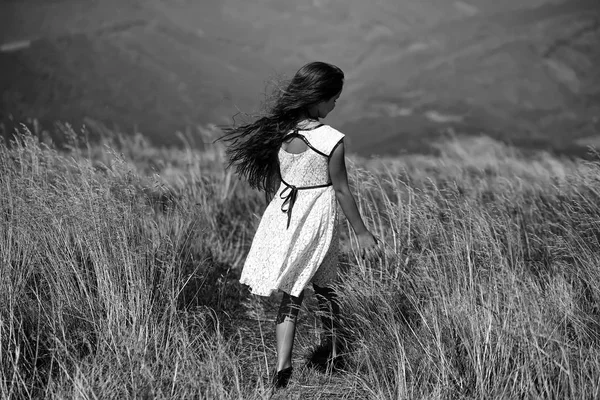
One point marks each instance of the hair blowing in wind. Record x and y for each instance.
(252, 148)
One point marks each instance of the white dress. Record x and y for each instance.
(295, 246)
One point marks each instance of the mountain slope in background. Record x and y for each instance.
(522, 71)
(530, 77)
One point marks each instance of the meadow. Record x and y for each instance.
(119, 264)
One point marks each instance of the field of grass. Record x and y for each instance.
(119, 264)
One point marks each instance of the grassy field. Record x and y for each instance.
(119, 264)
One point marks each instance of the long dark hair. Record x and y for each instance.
(252, 148)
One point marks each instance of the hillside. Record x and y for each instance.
(520, 71)
(529, 78)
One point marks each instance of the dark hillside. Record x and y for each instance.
(136, 75)
(521, 71)
(526, 77)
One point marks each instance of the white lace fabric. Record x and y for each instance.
(289, 258)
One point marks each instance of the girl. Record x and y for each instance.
(300, 163)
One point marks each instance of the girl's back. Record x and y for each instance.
(304, 161)
(302, 216)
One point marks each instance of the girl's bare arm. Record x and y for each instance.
(339, 179)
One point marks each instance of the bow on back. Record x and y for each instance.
(289, 196)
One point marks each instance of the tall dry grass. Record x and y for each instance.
(119, 267)
(107, 276)
(491, 285)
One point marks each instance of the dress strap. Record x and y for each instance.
(296, 133)
(310, 129)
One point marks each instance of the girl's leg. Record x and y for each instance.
(330, 312)
(285, 329)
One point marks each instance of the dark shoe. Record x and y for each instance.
(320, 359)
(282, 378)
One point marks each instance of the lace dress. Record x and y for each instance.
(297, 239)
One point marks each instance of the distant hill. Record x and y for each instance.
(152, 77)
(521, 71)
(529, 77)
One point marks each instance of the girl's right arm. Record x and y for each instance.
(339, 179)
